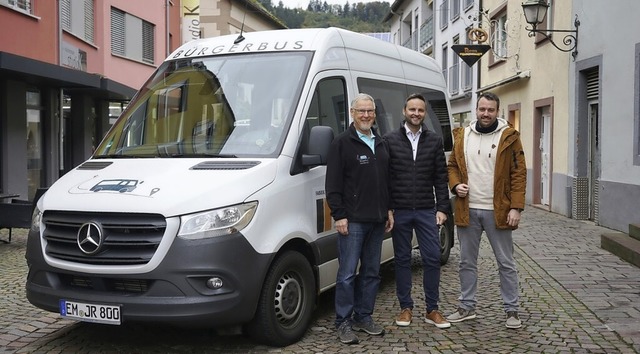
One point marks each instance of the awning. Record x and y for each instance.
(39, 72)
(521, 75)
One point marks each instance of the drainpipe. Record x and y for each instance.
(60, 100)
(166, 12)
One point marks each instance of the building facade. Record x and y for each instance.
(66, 69)
(218, 18)
(604, 127)
(83, 60)
(574, 96)
(432, 27)
(578, 116)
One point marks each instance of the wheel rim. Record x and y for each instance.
(288, 299)
(443, 238)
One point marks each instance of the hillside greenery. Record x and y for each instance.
(357, 17)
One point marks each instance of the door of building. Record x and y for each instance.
(545, 155)
(594, 160)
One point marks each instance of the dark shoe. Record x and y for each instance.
(435, 318)
(346, 335)
(513, 321)
(404, 318)
(461, 315)
(368, 326)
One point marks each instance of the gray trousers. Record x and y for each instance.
(502, 244)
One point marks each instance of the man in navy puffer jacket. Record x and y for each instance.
(418, 172)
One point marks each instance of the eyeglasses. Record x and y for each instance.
(365, 111)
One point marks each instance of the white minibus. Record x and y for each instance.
(204, 204)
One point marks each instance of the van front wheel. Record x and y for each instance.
(286, 302)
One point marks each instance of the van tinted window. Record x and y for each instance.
(390, 97)
(329, 105)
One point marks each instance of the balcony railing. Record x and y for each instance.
(422, 39)
(426, 34)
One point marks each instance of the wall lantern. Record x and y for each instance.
(534, 13)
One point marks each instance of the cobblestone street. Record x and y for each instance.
(575, 297)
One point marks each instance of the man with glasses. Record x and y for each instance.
(356, 184)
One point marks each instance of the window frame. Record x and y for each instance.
(81, 26)
(128, 33)
(444, 14)
(15, 5)
(498, 17)
(454, 10)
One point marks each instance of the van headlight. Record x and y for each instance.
(36, 217)
(218, 222)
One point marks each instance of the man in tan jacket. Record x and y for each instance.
(488, 175)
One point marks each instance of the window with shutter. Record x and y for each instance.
(148, 47)
(88, 21)
(117, 32)
(65, 14)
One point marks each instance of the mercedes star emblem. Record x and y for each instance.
(90, 238)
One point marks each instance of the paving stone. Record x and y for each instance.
(575, 298)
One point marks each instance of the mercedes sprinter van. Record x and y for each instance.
(205, 202)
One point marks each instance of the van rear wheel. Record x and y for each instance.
(286, 303)
(446, 239)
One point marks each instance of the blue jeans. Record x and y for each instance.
(502, 245)
(423, 221)
(356, 292)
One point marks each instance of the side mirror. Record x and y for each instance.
(320, 139)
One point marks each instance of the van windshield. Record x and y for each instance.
(223, 106)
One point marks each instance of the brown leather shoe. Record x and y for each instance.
(435, 318)
(404, 318)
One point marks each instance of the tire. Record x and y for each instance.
(286, 303)
(446, 240)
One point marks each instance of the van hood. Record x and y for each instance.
(180, 187)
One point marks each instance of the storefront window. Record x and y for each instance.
(34, 142)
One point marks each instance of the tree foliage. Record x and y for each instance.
(357, 17)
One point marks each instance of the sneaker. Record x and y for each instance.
(435, 318)
(346, 335)
(461, 315)
(404, 318)
(368, 326)
(513, 321)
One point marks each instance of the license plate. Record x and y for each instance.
(90, 312)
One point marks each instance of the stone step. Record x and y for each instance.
(634, 231)
(622, 245)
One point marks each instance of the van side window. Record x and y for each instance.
(389, 98)
(329, 105)
(328, 108)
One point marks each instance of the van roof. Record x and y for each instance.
(337, 48)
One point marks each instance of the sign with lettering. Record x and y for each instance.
(73, 57)
(470, 53)
(190, 20)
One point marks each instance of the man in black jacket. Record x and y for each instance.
(357, 193)
(418, 168)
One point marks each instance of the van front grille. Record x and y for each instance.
(126, 238)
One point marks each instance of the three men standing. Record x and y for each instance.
(374, 188)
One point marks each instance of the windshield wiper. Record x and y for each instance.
(224, 156)
(121, 156)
